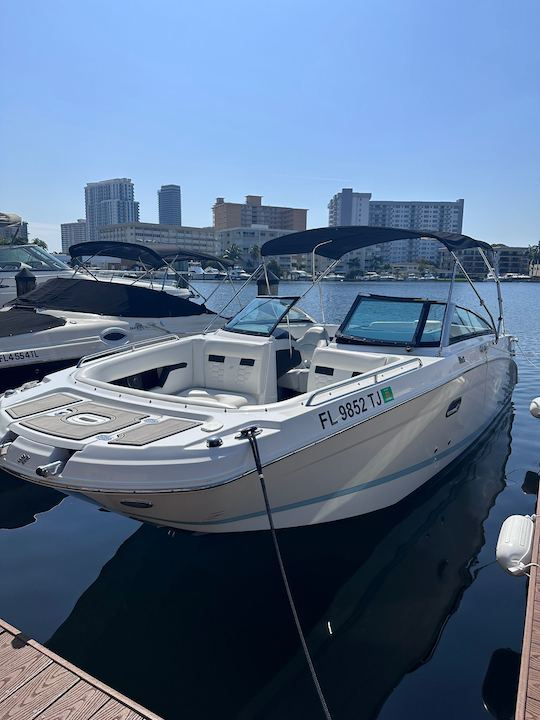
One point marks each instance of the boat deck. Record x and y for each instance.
(37, 684)
(528, 699)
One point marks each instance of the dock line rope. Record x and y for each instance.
(250, 433)
(526, 357)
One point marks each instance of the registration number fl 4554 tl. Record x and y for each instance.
(353, 408)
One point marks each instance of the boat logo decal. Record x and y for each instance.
(23, 459)
(357, 406)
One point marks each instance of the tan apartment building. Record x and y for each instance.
(253, 212)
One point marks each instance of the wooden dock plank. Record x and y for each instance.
(80, 702)
(20, 667)
(533, 687)
(528, 698)
(113, 710)
(533, 709)
(37, 684)
(41, 691)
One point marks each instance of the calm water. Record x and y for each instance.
(403, 609)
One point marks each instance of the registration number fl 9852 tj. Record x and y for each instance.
(355, 407)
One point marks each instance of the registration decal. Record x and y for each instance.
(14, 356)
(353, 408)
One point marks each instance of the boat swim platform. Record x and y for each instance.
(528, 697)
(37, 684)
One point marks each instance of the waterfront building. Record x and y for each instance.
(446, 216)
(511, 259)
(193, 238)
(170, 205)
(350, 208)
(72, 233)
(253, 212)
(353, 208)
(109, 202)
(506, 259)
(250, 240)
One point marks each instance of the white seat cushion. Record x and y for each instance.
(221, 396)
(295, 379)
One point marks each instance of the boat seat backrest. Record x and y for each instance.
(331, 364)
(314, 337)
(240, 367)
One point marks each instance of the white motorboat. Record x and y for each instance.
(66, 318)
(346, 421)
(42, 264)
(238, 274)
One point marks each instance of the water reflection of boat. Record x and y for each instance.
(20, 502)
(201, 626)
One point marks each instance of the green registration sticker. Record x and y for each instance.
(387, 394)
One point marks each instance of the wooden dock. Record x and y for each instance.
(528, 699)
(37, 684)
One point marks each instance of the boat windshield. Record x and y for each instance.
(33, 257)
(262, 315)
(375, 320)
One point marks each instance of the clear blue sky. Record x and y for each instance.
(293, 100)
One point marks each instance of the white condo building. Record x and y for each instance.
(192, 238)
(109, 202)
(446, 216)
(72, 233)
(352, 208)
(248, 238)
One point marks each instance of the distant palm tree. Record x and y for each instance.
(534, 254)
(233, 253)
(255, 254)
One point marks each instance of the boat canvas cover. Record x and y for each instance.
(152, 257)
(19, 321)
(123, 250)
(108, 298)
(334, 242)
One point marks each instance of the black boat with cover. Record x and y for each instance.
(66, 318)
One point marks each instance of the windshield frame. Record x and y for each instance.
(38, 254)
(293, 299)
(340, 337)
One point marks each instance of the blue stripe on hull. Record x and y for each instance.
(350, 490)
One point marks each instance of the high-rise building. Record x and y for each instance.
(352, 208)
(109, 202)
(444, 216)
(170, 205)
(349, 208)
(253, 212)
(73, 233)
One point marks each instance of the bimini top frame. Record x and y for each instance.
(334, 242)
(151, 258)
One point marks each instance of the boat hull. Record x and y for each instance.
(362, 469)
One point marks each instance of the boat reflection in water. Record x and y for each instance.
(20, 501)
(198, 626)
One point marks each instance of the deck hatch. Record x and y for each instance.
(67, 426)
(146, 433)
(33, 407)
